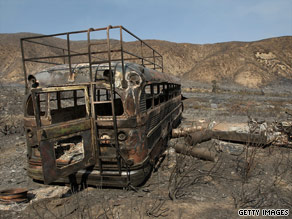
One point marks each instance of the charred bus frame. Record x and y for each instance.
(116, 115)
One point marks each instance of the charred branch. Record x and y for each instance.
(201, 153)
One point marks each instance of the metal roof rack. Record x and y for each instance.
(92, 50)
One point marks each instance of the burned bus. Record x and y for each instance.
(101, 115)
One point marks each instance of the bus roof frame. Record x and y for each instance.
(155, 60)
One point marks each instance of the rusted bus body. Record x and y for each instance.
(103, 113)
(62, 117)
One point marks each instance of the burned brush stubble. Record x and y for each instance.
(11, 110)
(256, 177)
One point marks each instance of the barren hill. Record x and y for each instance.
(250, 64)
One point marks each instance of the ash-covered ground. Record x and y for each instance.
(244, 176)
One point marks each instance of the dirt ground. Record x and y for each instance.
(244, 176)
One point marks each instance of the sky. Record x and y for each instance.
(183, 21)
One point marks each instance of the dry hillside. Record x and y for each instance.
(250, 64)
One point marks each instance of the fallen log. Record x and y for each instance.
(234, 132)
(201, 153)
(182, 132)
(251, 133)
(199, 137)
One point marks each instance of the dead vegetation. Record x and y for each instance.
(189, 171)
(11, 110)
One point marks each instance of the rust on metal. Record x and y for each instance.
(15, 195)
(105, 112)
